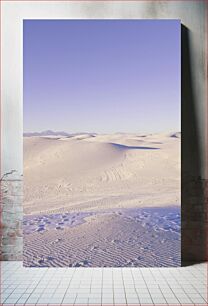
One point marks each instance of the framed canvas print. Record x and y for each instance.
(102, 143)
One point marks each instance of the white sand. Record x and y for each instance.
(82, 197)
(88, 172)
(106, 240)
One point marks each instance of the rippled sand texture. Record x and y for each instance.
(102, 200)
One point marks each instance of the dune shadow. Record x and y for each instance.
(121, 146)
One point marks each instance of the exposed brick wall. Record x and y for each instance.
(194, 220)
(11, 220)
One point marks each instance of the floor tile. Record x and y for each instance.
(130, 286)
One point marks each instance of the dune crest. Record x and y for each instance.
(99, 171)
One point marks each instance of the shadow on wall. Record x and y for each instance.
(194, 228)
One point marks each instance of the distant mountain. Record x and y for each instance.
(46, 133)
(53, 133)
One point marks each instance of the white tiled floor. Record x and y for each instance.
(107, 286)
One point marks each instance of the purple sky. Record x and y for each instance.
(102, 76)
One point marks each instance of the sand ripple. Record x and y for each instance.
(112, 238)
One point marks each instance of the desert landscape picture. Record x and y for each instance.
(102, 143)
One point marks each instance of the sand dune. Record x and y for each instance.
(80, 192)
(130, 170)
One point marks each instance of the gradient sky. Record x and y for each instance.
(102, 76)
